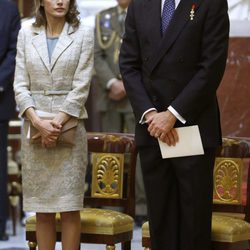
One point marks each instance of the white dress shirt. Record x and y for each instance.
(176, 4)
(170, 108)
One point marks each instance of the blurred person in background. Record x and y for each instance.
(115, 109)
(9, 27)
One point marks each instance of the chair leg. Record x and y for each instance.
(221, 246)
(32, 245)
(126, 245)
(110, 247)
(13, 215)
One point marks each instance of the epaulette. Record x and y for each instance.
(103, 20)
(111, 9)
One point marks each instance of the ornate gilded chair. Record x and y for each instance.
(14, 172)
(112, 160)
(231, 216)
(14, 188)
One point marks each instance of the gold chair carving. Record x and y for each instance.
(107, 179)
(227, 181)
(112, 160)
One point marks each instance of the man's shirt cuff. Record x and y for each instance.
(110, 82)
(177, 115)
(142, 120)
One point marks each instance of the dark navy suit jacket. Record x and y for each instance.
(9, 27)
(183, 68)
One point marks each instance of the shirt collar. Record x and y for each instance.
(120, 9)
(176, 3)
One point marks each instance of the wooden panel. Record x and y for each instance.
(25, 7)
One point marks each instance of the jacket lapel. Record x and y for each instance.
(63, 43)
(152, 20)
(180, 19)
(40, 44)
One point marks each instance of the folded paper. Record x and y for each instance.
(189, 143)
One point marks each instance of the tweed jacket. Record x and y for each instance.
(59, 85)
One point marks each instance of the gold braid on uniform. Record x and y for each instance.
(99, 36)
(117, 49)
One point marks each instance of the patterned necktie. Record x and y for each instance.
(167, 14)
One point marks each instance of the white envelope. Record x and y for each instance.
(189, 143)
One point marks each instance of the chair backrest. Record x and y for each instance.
(232, 177)
(111, 171)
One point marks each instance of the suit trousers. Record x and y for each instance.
(3, 175)
(114, 121)
(179, 196)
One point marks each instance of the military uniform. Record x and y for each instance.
(109, 30)
(116, 116)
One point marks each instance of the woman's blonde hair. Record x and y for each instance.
(72, 17)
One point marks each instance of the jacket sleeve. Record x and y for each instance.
(23, 96)
(199, 92)
(131, 67)
(76, 98)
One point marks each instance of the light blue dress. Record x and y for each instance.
(51, 43)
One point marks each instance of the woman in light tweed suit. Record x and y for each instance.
(53, 71)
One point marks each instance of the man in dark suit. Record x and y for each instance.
(9, 27)
(172, 60)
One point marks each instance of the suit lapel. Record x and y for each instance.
(40, 44)
(63, 43)
(180, 19)
(152, 20)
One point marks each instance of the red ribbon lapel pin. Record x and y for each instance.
(192, 11)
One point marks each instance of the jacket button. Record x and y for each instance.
(146, 58)
(154, 98)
